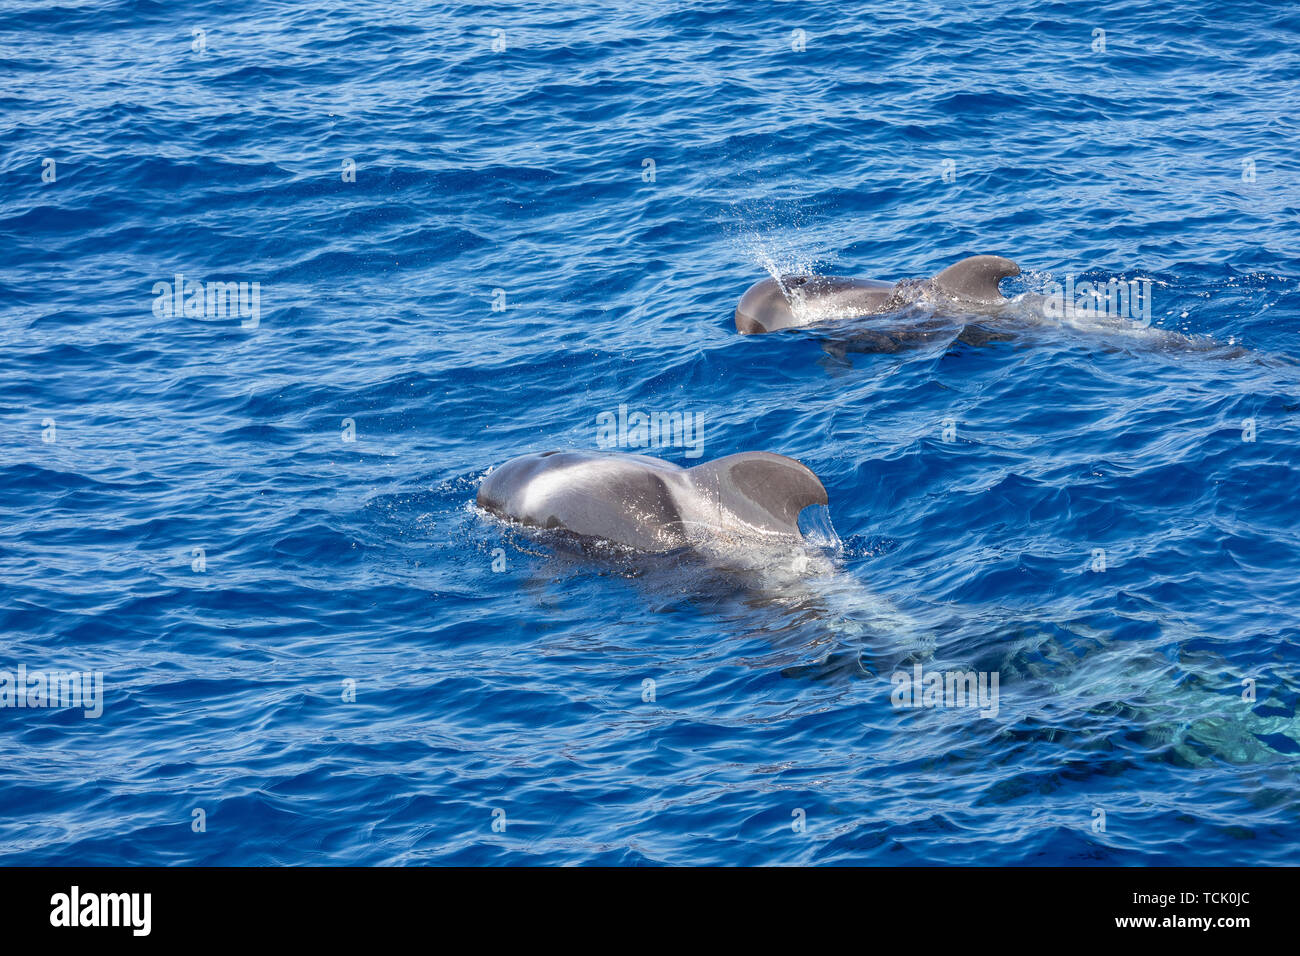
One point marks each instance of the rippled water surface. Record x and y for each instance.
(554, 212)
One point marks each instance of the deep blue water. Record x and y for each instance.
(129, 438)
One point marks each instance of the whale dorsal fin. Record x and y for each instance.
(976, 278)
(761, 489)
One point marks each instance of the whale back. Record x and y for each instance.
(649, 504)
(796, 300)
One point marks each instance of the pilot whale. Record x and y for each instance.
(653, 505)
(792, 301)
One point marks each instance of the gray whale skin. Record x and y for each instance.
(653, 505)
(797, 300)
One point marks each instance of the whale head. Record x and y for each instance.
(796, 300)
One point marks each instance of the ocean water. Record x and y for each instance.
(474, 228)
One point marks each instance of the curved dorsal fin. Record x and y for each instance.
(976, 278)
(762, 489)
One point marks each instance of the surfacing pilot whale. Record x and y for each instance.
(653, 505)
(793, 301)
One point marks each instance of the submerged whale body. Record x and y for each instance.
(653, 505)
(795, 300)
